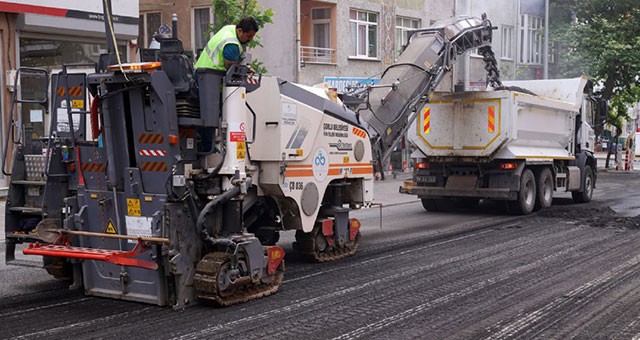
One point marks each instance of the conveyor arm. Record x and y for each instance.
(429, 54)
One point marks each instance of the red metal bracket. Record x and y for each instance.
(275, 256)
(327, 230)
(120, 257)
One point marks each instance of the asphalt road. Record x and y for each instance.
(569, 272)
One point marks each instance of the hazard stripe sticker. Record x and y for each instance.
(358, 132)
(491, 119)
(151, 138)
(93, 167)
(426, 121)
(74, 91)
(153, 166)
(153, 153)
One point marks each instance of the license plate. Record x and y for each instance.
(426, 179)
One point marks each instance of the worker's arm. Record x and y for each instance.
(231, 55)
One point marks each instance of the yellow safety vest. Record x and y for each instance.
(211, 56)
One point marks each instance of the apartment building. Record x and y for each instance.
(194, 18)
(319, 39)
(311, 41)
(518, 41)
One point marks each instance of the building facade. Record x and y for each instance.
(312, 40)
(518, 41)
(330, 38)
(194, 19)
(47, 34)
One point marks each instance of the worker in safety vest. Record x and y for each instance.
(225, 47)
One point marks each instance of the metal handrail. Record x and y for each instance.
(14, 100)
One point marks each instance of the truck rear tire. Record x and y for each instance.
(544, 184)
(585, 195)
(430, 204)
(526, 196)
(437, 204)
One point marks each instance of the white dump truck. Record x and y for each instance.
(520, 143)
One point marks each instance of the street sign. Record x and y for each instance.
(344, 84)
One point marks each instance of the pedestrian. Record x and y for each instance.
(226, 46)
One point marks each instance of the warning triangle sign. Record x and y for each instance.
(111, 229)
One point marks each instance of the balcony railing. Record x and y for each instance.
(317, 55)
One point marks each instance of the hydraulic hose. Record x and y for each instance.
(210, 207)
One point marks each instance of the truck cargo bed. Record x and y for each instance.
(505, 124)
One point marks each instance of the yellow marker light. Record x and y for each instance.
(94, 196)
(299, 152)
(148, 198)
(136, 67)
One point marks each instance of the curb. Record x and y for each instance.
(396, 204)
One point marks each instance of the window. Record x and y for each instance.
(51, 54)
(506, 47)
(403, 26)
(364, 34)
(147, 27)
(202, 18)
(321, 22)
(531, 37)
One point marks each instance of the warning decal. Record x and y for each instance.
(133, 207)
(240, 152)
(110, 229)
(237, 136)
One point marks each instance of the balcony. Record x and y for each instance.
(317, 55)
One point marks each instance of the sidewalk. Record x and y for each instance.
(387, 192)
(602, 159)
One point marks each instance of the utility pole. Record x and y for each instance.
(545, 59)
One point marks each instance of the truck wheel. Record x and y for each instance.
(587, 184)
(430, 204)
(526, 196)
(467, 203)
(438, 204)
(544, 195)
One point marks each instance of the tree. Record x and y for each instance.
(600, 38)
(230, 12)
(619, 113)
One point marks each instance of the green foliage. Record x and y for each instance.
(230, 12)
(618, 112)
(619, 107)
(600, 38)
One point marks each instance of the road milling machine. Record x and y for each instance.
(180, 189)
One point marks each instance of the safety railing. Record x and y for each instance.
(317, 55)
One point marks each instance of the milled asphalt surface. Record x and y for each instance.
(386, 191)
